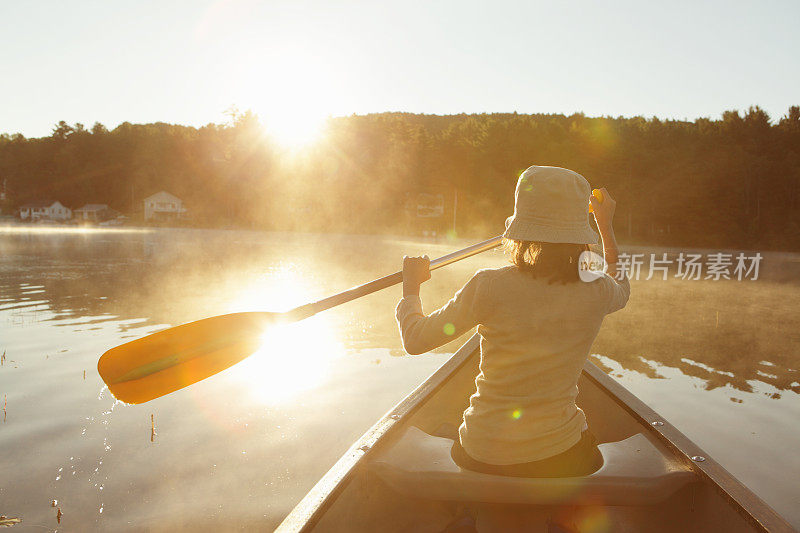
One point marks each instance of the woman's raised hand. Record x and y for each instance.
(603, 209)
(416, 271)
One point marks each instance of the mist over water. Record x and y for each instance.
(720, 360)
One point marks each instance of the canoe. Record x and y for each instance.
(400, 477)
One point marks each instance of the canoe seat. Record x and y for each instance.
(634, 472)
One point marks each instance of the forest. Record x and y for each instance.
(732, 182)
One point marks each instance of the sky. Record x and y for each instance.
(295, 62)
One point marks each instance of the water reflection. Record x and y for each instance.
(239, 449)
(721, 332)
(293, 358)
(67, 230)
(718, 331)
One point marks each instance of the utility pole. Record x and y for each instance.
(455, 209)
(627, 190)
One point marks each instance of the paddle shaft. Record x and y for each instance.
(305, 311)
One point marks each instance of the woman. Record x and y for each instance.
(537, 322)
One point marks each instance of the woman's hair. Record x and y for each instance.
(555, 262)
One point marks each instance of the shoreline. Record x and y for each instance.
(633, 247)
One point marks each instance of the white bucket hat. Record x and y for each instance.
(551, 204)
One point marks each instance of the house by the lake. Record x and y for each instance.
(94, 213)
(45, 210)
(163, 206)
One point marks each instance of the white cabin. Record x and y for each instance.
(92, 213)
(45, 211)
(163, 206)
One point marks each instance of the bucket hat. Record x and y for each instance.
(551, 204)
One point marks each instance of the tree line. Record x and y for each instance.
(732, 182)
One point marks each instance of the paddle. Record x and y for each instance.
(171, 359)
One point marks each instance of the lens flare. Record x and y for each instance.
(293, 357)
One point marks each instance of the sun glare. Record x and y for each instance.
(293, 128)
(78, 230)
(293, 93)
(293, 357)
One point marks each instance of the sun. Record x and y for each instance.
(293, 127)
(293, 93)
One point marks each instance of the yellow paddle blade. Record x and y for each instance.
(174, 358)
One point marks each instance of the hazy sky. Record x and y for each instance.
(187, 61)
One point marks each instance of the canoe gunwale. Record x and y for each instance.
(312, 507)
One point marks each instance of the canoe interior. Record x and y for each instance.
(352, 498)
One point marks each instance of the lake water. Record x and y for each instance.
(719, 359)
